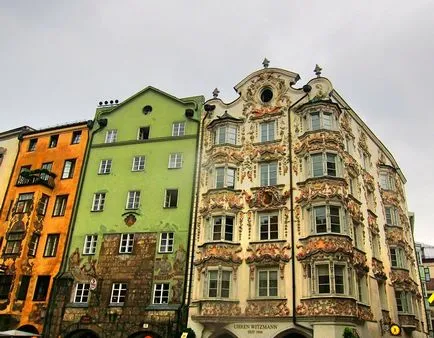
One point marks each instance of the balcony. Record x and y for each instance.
(408, 321)
(36, 177)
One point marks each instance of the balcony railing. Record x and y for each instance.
(35, 178)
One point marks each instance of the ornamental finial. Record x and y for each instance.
(266, 63)
(317, 70)
(215, 92)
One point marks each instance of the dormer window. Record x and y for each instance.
(226, 134)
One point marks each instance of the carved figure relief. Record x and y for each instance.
(220, 309)
(268, 253)
(217, 252)
(268, 308)
(266, 197)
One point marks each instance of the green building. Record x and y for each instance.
(124, 271)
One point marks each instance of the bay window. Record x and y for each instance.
(321, 120)
(330, 278)
(325, 164)
(226, 134)
(397, 258)
(219, 284)
(404, 302)
(392, 215)
(387, 181)
(224, 177)
(327, 218)
(222, 228)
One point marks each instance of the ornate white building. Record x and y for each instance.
(301, 226)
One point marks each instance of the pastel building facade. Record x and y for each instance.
(301, 226)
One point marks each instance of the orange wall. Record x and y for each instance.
(29, 311)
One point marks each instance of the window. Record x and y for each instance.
(21, 179)
(24, 203)
(81, 293)
(166, 242)
(219, 283)
(392, 216)
(376, 245)
(327, 219)
(324, 281)
(383, 295)
(348, 144)
(5, 285)
(224, 178)
(13, 243)
(138, 163)
(46, 166)
(111, 136)
(98, 201)
(76, 137)
(362, 289)
(105, 167)
(51, 245)
(226, 135)
(23, 288)
(427, 274)
(403, 301)
(68, 169)
(161, 293)
(90, 242)
(119, 293)
(42, 205)
(175, 161)
(41, 289)
(365, 160)
(222, 228)
(267, 283)
(53, 141)
(268, 131)
(353, 186)
(387, 181)
(33, 245)
(324, 164)
(321, 120)
(268, 227)
(178, 129)
(32, 144)
(127, 243)
(143, 133)
(268, 173)
(171, 198)
(133, 200)
(397, 258)
(60, 205)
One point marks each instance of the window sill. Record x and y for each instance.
(227, 145)
(165, 252)
(399, 268)
(163, 307)
(324, 177)
(78, 305)
(265, 241)
(218, 242)
(256, 299)
(259, 143)
(102, 174)
(57, 215)
(225, 300)
(174, 168)
(170, 207)
(223, 189)
(97, 210)
(116, 304)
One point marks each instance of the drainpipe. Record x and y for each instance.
(306, 89)
(102, 123)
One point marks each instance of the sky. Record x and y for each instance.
(58, 59)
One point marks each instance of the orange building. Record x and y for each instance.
(35, 219)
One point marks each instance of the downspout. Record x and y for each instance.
(306, 89)
(102, 123)
(189, 114)
(207, 108)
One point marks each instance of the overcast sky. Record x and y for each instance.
(59, 58)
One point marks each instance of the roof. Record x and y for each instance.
(57, 127)
(14, 132)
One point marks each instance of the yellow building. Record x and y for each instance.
(35, 220)
(301, 225)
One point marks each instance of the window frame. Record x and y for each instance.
(398, 258)
(24, 202)
(177, 131)
(225, 176)
(50, 252)
(387, 181)
(143, 133)
(322, 121)
(267, 287)
(168, 198)
(43, 205)
(175, 161)
(166, 244)
(331, 278)
(89, 245)
(268, 215)
(40, 280)
(133, 200)
(81, 293)
(126, 243)
(23, 287)
(33, 142)
(219, 284)
(98, 201)
(391, 213)
(5, 281)
(76, 137)
(54, 140)
(322, 168)
(229, 136)
(60, 205)
(105, 167)
(137, 166)
(111, 136)
(33, 244)
(68, 173)
(343, 226)
(269, 180)
(163, 293)
(121, 290)
(223, 228)
(270, 135)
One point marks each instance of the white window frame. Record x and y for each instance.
(105, 167)
(222, 177)
(266, 171)
(98, 201)
(178, 129)
(342, 219)
(175, 161)
(139, 132)
(161, 293)
(399, 257)
(387, 181)
(268, 288)
(223, 228)
(268, 131)
(111, 136)
(229, 134)
(33, 244)
(406, 301)
(119, 291)
(82, 293)
(90, 242)
(51, 245)
(323, 124)
(138, 163)
(268, 217)
(126, 243)
(166, 242)
(168, 198)
(219, 284)
(332, 278)
(326, 171)
(393, 215)
(133, 200)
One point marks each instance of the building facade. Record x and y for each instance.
(425, 255)
(301, 225)
(35, 219)
(125, 269)
(9, 143)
